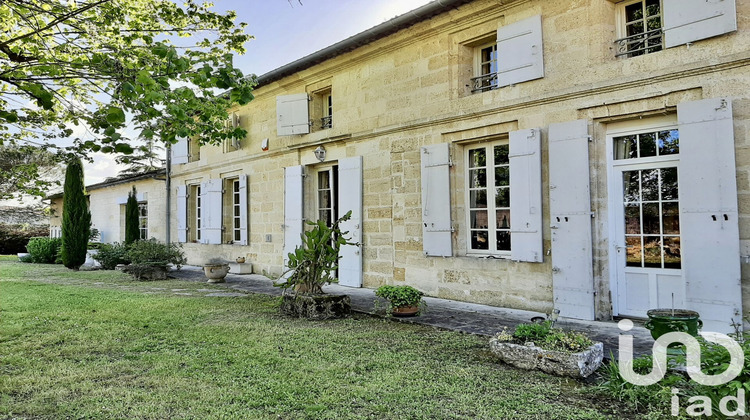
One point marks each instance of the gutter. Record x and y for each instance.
(396, 24)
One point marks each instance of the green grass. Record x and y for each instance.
(8, 257)
(76, 345)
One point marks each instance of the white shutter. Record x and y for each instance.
(520, 55)
(708, 212)
(292, 115)
(180, 151)
(182, 213)
(293, 221)
(211, 209)
(526, 196)
(436, 201)
(570, 219)
(691, 20)
(243, 210)
(350, 198)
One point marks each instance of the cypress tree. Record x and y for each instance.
(76, 218)
(132, 227)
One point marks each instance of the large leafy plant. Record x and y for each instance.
(311, 265)
(400, 296)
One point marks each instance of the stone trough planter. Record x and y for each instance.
(529, 356)
(316, 307)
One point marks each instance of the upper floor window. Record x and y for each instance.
(327, 120)
(485, 67)
(488, 190)
(640, 28)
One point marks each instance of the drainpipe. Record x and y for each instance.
(169, 195)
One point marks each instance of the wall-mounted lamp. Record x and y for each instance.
(320, 153)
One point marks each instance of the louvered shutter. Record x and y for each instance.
(211, 211)
(525, 196)
(182, 213)
(520, 55)
(436, 201)
(570, 219)
(350, 198)
(691, 20)
(293, 216)
(292, 115)
(180, 151)
(708, 212)
(244, 232)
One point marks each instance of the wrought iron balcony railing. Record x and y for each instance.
(639, 44)
(326, 122)
(484, 82)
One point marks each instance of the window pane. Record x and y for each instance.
(477, 158)
(648, 144)
(669, 189)
(237, 235)
(503, 219)
(478, 199)
(633, 250)
(633, 219)
(635, 29)
(323, 182)
(324, 199)
(503, 240)
(626, 147)
(325, 215)
(502, 197)
(236, 186)
(631, 187)
(651, 219)
(478, 178)
(669, 142)
(633, 12)
(671, 218)
(479, 219)
(652, 251)
(652, 7)
(501, 154)
(237, 210)
(479, 240)
(650, 184)
(672, 254)
(502, 176)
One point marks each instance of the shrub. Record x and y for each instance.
(110, 255)
(26, 258)
(152, 252)
(15, 237)
(76, 218)
(44, 250)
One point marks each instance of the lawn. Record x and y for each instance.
(98, 345)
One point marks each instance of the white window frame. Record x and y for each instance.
(479, 75)
(491, 193)
(236, 211)
(196, 196)
(143, 219)
(621, 50)
(327, 120)
(332, 172)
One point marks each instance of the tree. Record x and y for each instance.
(132, 226)
(76, 218)
(27, 169)
(96, 64)
(141, 161)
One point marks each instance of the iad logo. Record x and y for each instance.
(692, 365)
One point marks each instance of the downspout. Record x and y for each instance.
(169, 195)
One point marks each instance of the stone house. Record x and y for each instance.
(589, 156)
(107, 206)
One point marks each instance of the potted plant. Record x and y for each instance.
(662, 321)
(552, 350)
(402, 300)
(216, 270)
(310, 266)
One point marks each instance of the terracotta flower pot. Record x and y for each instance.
(403, 311)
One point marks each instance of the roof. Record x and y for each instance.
(121, 180)
(375, 33)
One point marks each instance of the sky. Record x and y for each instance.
(283, 32)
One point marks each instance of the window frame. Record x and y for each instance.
(194, 213)
(491, 189)
(622, 50)
(143, 220)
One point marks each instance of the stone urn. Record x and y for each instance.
(216, 272)
(240, 260)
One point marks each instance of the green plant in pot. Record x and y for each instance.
(402, 300)
(312, 265)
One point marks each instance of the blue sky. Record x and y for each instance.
(285, 32)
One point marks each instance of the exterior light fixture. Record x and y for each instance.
(320, 153)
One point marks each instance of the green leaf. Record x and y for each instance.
(115, 115)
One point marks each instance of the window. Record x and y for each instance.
(488, 197)
(485, 67)
(143, 220)
(327, 120)
(321, 109)
(232, 211)
(327, 200)
(194, 150)
(640, 28)
(194, 213)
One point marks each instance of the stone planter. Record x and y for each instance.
(216, 272)
(316, 307)
(575, 365)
